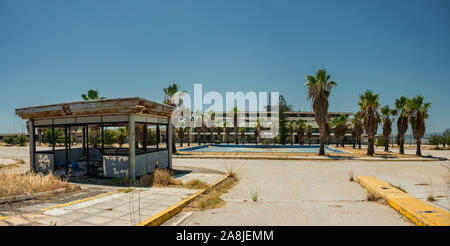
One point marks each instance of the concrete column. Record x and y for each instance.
(31, 143)
(132, 146)
(169, 143)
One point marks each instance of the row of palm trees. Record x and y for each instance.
(412, 111)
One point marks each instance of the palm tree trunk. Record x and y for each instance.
(236, 140)
(343, 142)
(199, 137)
(370, 150)
(174, 147)
(402, 142)
(418, 152)
(359, 142)
(386, 144)
(189, 137)
(322, 141)
(211, 136)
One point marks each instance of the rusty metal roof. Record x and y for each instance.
(97, 107)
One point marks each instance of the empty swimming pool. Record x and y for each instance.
(260, 148)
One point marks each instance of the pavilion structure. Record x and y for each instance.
(124, 137)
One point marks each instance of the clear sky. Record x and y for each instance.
(52, 51)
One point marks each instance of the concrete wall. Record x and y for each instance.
(116, 166)
(145, 163)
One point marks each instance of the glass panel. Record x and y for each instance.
(140, 138)
(151, 138)
(162, 144)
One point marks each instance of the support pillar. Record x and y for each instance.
(132, 146)
(32, 144)
(169, 143)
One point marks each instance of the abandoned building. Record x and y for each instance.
(125, 137)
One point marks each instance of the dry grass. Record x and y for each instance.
(196, 184)
(232, 172)
(211, 199)
(159, 178)
(162, 177)
(21, 184)
(372, 197)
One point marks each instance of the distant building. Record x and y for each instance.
(308, 117)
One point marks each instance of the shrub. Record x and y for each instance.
(162, 177)
(10, 140)
(21, 140)
(380, 142)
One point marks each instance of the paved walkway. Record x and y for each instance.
(124, 207)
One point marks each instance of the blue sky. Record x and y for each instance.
(52, 51)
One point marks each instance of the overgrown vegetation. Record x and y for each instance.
(196, 184)
(211, 198)
(21, 184)
(372, 197)
(159, 178)
(431, 198)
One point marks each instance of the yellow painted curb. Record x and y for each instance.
(4, 218)
(418, 211)
(168, 213)
(78, 201)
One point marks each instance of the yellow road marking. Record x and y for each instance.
(4, 218)
(168, 213)
(418, 211)
(78, 201)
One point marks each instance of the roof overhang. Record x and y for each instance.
(134, 105)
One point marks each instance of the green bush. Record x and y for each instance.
(21, 140)
(380, 142)
(435, 140)
(9, 140)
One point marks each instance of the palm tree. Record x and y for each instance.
(401, 104)
(91, 96)
(235, 124)
(256, 131)
(242, 131)
(180, 132)
(357, 129)
(300, 130)
(386, 114)
(319, 89)
(292, 128)
(417, 114)
(308, 129)
(369, 109)
(339, 125)
(353, 132)
(169, 92)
